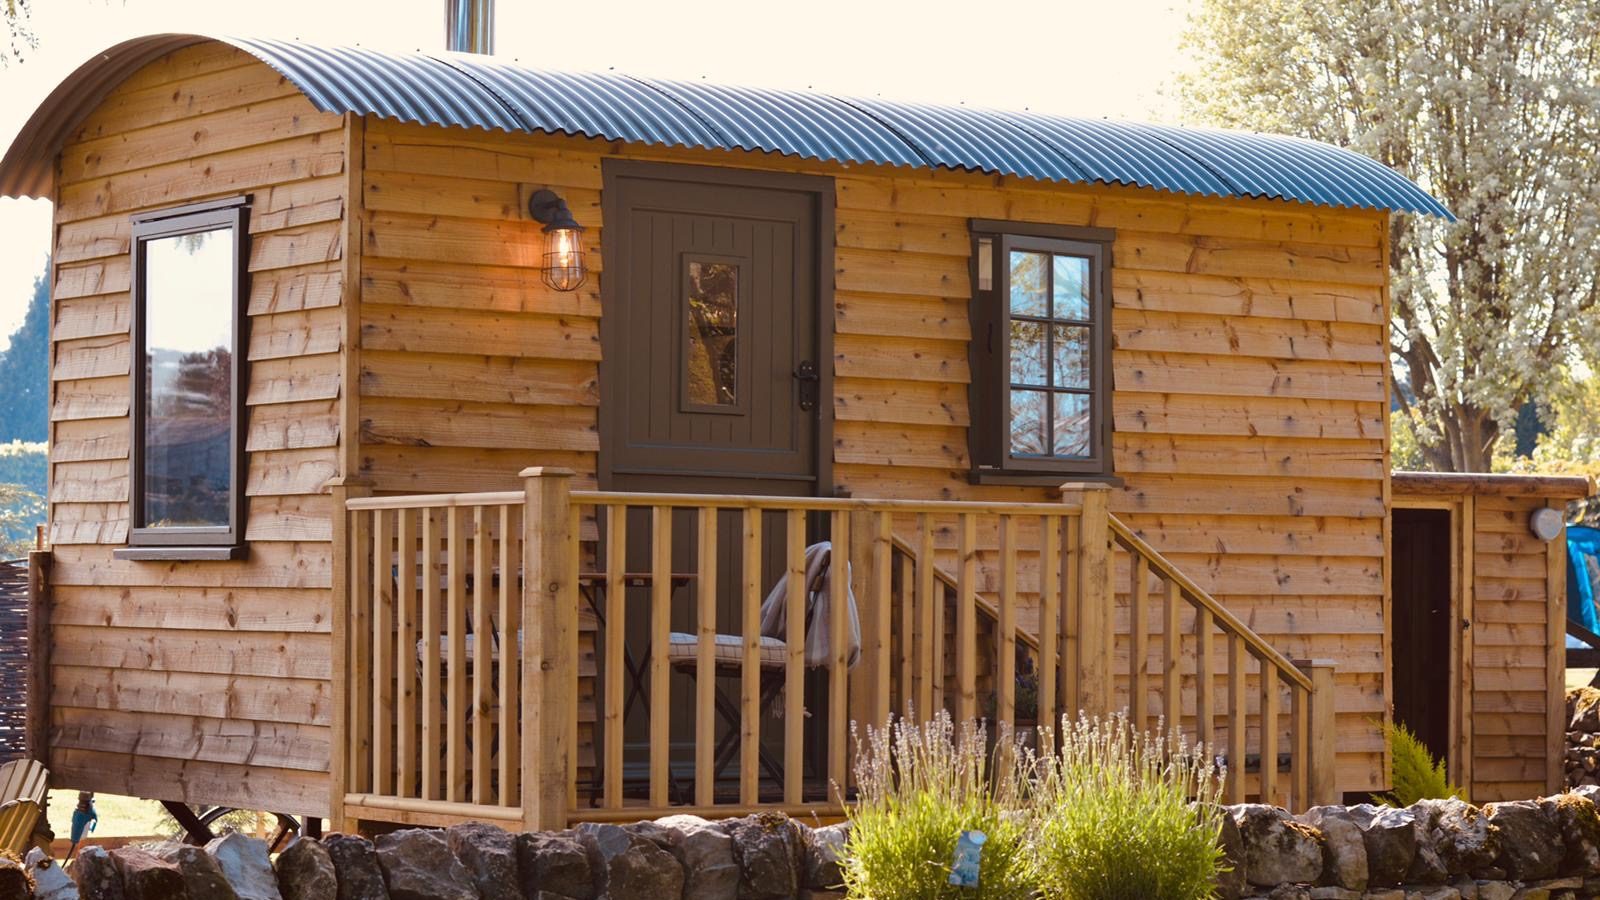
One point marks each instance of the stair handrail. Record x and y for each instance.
(1199, 596)
(985, 607)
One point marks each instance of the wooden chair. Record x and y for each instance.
(22, 790)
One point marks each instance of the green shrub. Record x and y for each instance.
(1124, 815)
(919, 787)
(1413, 771)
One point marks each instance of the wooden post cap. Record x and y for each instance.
(547, 472)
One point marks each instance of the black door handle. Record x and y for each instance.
(810, 384)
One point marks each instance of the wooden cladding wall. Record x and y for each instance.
(1250, 365)
(1518, 636)
(200, 681)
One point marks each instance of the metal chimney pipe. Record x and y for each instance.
(469, 26)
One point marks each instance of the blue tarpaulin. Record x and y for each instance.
(1583, 578)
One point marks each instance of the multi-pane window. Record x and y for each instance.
(1040, 349)
(188, 270)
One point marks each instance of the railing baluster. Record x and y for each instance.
(1006, 629)
(794, 700)
(905, 646)
(456, 671)
(569, 651)
(510, 608)
(883, 614)
(929, 665)
(660, 662)
(1049, 618)
(838, 640)
(967, 620)
(934, 594)
(432, 634)
(383, 659)
(1269, 733)
(1071, 604)
(483, 649)
(1237, 717)
(405, 646)
(1205, 667)
(1299, 743)
(360, 653)
(616, 638)
(1139, 642)
(750, 665)
(705, 673)
(1172, 680)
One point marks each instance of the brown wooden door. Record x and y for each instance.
(712, 379)
(1423, 626)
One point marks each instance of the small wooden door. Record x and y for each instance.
(712, 380)
(1424, 626)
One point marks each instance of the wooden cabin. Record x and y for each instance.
(1478, 625)
(1095, 414)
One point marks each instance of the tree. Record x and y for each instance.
(15, 12)
(25, 372)
(1494, 107)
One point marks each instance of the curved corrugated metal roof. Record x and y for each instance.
(484, 92)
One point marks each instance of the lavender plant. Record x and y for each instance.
(1121, 814)
(919, 786)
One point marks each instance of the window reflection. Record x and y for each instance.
(1051, 345)
(188, 400)
(713, 352)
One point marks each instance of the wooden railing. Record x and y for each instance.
(1310, 729)
(551, 655)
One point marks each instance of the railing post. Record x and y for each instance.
(38, 699)
(1323, 763)
(340, 490)
(864, 701)
(1096, 595)
(549, 620)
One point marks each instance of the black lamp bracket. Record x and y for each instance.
(548, 208)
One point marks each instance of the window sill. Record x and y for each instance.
(180, 554)
(1014, 478)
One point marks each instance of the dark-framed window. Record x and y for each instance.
(1040, 351)
(187, 462)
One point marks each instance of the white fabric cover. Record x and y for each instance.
(819, 612)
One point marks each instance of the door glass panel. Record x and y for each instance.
(1071, 425)
(1028, 296)
(1027, 353)
(1071, 288)
(713, 351)
(1029, 422)
(1071, 355)
(188, 426)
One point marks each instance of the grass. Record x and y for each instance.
(119, 816)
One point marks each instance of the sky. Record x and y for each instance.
(1062, 56)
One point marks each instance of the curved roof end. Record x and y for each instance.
(466, 91)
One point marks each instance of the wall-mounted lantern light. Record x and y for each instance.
(1546, 523)
(563, 244)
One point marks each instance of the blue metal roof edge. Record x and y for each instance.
(453, 90)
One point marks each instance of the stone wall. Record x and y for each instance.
(1583, 737)
(762, 857)
(1431, 850)
(1545, 849)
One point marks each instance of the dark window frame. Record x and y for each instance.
(189, 542)
(990, 353)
